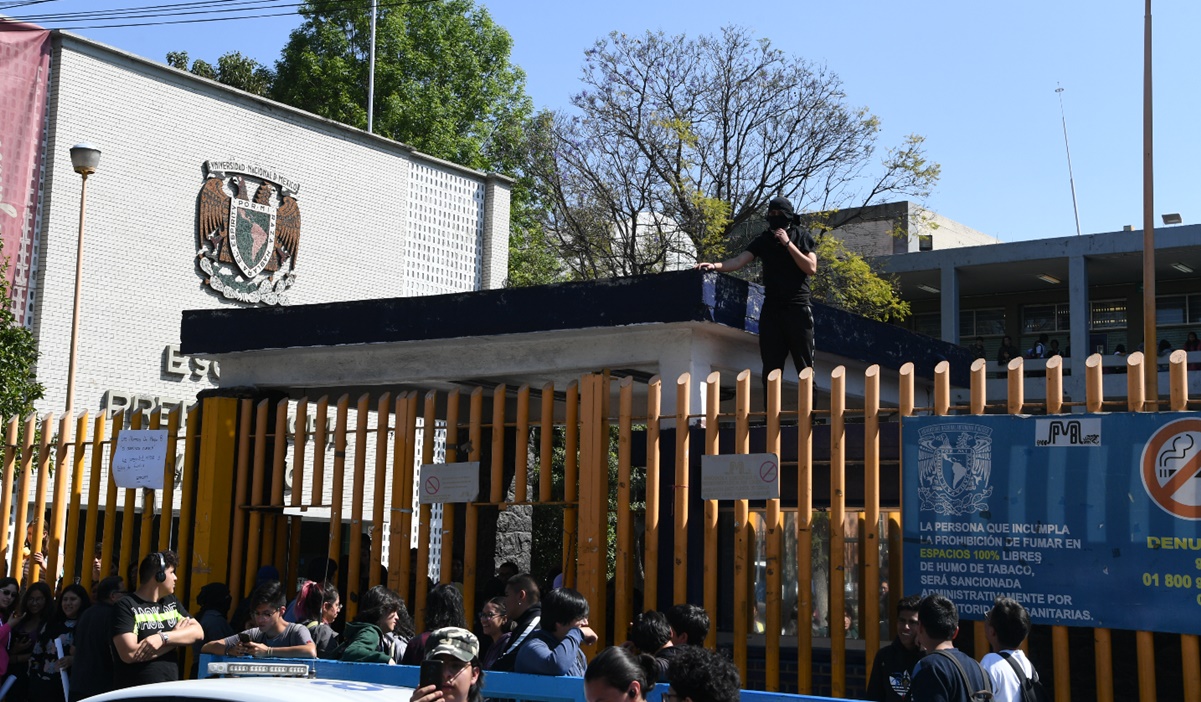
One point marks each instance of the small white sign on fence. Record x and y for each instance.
(140, 458)
(449, 482)
(748, 476)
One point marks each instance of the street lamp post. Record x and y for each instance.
(84, 159)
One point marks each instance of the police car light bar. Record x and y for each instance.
(272, 670)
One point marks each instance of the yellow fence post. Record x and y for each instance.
(89, 531)
(110, 505)
(354, 574)
(711, 561)
(624, 562)
(72, 549)
(571, 486)
(39, 510)
(870, 613)
(743, 536)
(429, 436)
(210, 553)
(772, 535)
(254, 535)
(448, 508)
(680, 490)
(187, 501)
(593, 536)
(838, 635)
(336, 497)
(58, 510)
(650, 582)
(804, 527)
(1136, 395)
(6, 492)
(383, 413)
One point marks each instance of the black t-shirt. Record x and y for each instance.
(92, 668)
(783, 281)
(132, 614)
(936, 679)
(891, 672)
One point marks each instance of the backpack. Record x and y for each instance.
(984, 695)
(1032, 690)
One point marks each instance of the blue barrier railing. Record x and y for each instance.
(533, 688)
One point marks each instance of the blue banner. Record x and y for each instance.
(1087, 520)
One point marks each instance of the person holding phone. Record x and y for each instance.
(789, 257)
(451, 670)
(273, 637)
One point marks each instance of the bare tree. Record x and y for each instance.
(700, 134)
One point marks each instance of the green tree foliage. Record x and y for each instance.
(845, 280)
(676, 144)
(444, 84)
(232, 69)
(19, 387)
(443, 80)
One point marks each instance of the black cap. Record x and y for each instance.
(780, 203)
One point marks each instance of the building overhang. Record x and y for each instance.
(665, 325)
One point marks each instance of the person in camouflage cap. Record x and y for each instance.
(459, 653)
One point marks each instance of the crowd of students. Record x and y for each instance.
(80, 644)
(923, 665)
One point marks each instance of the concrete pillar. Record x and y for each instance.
(949, 309)
(496, 232)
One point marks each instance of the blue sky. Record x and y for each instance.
(977, 79)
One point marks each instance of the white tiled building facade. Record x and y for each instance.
(377, 219)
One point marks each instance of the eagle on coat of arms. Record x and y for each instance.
(249, 234)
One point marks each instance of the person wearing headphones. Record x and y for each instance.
(150, 625)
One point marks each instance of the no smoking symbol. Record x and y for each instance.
(432, 485)
(1171, 468)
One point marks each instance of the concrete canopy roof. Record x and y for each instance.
(667, 324)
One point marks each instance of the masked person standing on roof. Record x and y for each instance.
(789, 260)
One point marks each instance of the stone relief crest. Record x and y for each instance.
(954, 465)
(248, 225)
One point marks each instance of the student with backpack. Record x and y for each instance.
(946, 674)
(1012, 675)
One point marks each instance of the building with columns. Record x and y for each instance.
(1083, 291)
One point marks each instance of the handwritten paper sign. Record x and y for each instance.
(449, 482)
(750, 476)
(140, 458)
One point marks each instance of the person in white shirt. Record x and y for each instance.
(1006, 628)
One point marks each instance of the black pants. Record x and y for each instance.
(785, 329)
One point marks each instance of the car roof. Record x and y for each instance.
(261, 690)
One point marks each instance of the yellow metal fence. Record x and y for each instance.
(235, 512)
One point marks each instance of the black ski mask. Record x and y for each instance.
(782, 220)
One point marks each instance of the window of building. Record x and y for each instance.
(1107, 314)
(982, 322)
(1171, 310)
(1045, 318)
(928, 323)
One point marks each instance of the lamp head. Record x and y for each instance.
(85, 158)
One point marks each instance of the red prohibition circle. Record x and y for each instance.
(1163, 495)
(432, 485)
(767, 472)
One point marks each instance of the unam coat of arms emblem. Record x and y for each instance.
(248, 226)
(954, 465)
